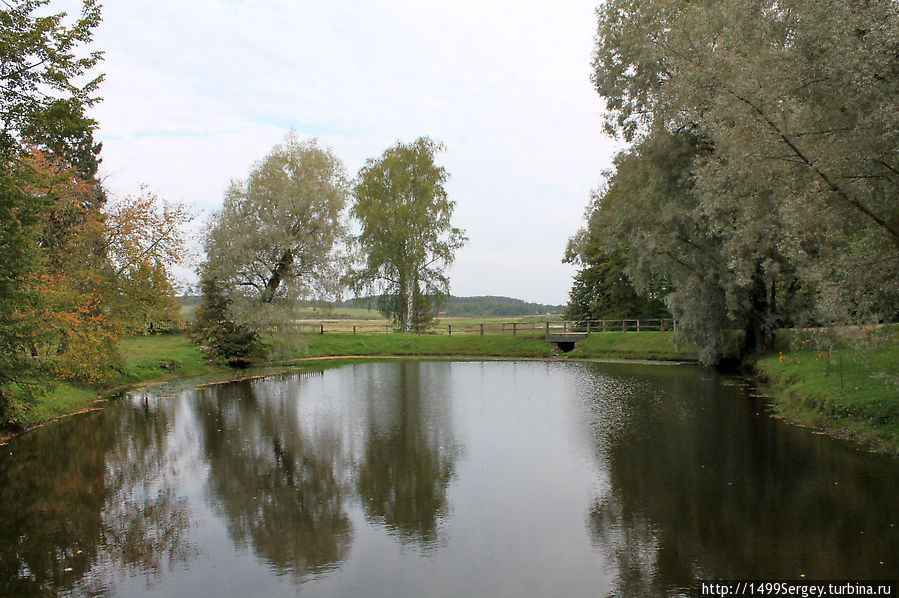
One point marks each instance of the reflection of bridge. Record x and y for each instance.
(566, 340)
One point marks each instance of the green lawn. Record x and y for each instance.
(634, 345)
(851, 390)
(161, 356)
(490, 345)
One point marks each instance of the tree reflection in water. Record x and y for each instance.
(277, 489)
(409, 454)
(284, 468)
(90, 497)
(709, 493)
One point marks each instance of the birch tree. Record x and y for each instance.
(407, 238)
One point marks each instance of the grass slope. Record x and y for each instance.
(146, 358)
(412, 344)
(851, 391)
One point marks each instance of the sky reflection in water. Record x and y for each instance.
(439, 478)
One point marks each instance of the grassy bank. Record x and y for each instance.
(634, 345)
(146, 358)
(610, 345)
(844, 384)
(847, 386)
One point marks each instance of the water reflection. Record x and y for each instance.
(277, 489)
(87, 497)
(700, 487)
(321, 484)
(409, 454)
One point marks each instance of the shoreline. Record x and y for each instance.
(775, 379)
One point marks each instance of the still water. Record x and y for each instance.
(410, 478)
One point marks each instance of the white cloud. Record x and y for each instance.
(196, 91)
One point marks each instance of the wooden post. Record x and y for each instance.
(504, 328)
(588, 326)
(662, 325)
(547, 327)
(624, 325)
(482, 330)
(603, 325)
(354, 330)
(638, 325)
(514, 328)
(841, 370)
(323, 329)
(450, 329)
(565, 326)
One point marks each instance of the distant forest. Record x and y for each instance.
(455, 306)
(474, 306)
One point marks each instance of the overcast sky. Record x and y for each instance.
(196, 91)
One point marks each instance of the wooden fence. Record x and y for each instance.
(492, 327)
(534, 328)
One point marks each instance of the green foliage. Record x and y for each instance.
(602, 289)
(41, 78)
(650, 213)
(491, 306)
(234, 343)
(406, 235)
(39, 75)
(273, 241)
(796, 102)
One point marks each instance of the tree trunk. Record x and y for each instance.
(278, 273)
(754, 341)
(410, 304)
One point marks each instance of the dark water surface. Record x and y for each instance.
(411, 478)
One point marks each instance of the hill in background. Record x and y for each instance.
(483, 306)
(487, 305)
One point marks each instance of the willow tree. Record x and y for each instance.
(797, 100)
(274, 239)
(406, 235)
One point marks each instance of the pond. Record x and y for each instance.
(429, 478)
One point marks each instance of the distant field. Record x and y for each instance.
(360, 310)
(444, 326)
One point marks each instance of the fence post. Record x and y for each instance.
(514, 328)
(354, 330)
(588, 326)
(504, 328)
(565, 326)
(624, 325)
(638, 325)
(482, 329)
(323, 329)
(547, 327)
(450, 328)
(662, 325)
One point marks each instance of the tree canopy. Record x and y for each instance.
(77, 269)
(789, 195)
(275, 239)
(407, 238)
